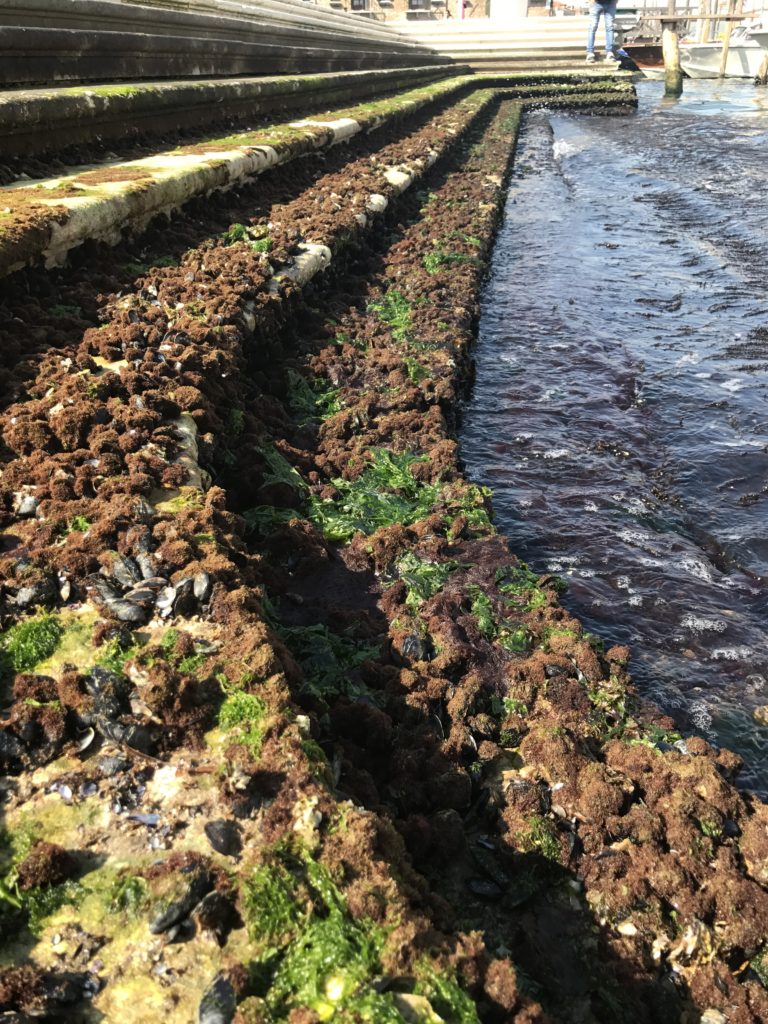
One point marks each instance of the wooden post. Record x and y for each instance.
(761, 78)
(726, 40)
(704, 26)
(670, 48)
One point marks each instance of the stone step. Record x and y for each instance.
(39, 121)
(490, 29)
(44, 220)
(458, 40)
(46, 41)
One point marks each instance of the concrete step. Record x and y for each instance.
(284, 10)
(45, 41)
(569, 64)
(467, 40)
(491, 28)
(39, 121)
(44, 220)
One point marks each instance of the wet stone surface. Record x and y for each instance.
(390, 775)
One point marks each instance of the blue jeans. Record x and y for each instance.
(608, 11)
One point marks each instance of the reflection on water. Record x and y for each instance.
(622, 372)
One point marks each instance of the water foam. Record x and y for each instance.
(703, 623)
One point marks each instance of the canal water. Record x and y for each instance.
(620, 411)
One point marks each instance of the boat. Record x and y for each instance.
(647, 56)
(745, 55)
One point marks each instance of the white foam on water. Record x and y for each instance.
(635, 601)
(740, 653)
(590, 506)
(636, 505)
(638, 537)
(622, 582)
(550, 395)
(703, 623)
(743, 442)
(557, 453)
(695, 567)
(733, 385)
(562, 563)
(562, 148)
(700, 715)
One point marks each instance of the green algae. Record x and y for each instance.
(503, 706)
(482, 608)
(271, 908)
(310, 952)
(394, 309)
(129, 895)
(539, 836)
(327, 660)
(385, 493)
(445, 994)
(311, 400)
(41, 903)
(136, 268)
(29, 910)
(441, 258)
(513, 637)
(29, 643)
(252, 236)
(115, 653)
(521, 589)
(79, 524)
(176, 500)
(422, 578)
(242, 717)
(759, 964)
(415, 370)
(279, 469)
(62, 310)
(265, 519)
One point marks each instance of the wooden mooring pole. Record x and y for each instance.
(670, 48)
(670, 44)
(732, 4)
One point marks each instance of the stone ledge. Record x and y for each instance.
(42, 120)
(46, 219)
(44, 41)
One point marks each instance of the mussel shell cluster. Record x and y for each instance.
(111, 715)
(133, 591)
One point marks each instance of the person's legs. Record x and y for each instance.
(595, 11)
(609, 13)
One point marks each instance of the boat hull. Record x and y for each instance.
(702, 60)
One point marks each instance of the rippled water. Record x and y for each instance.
(620, 406)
